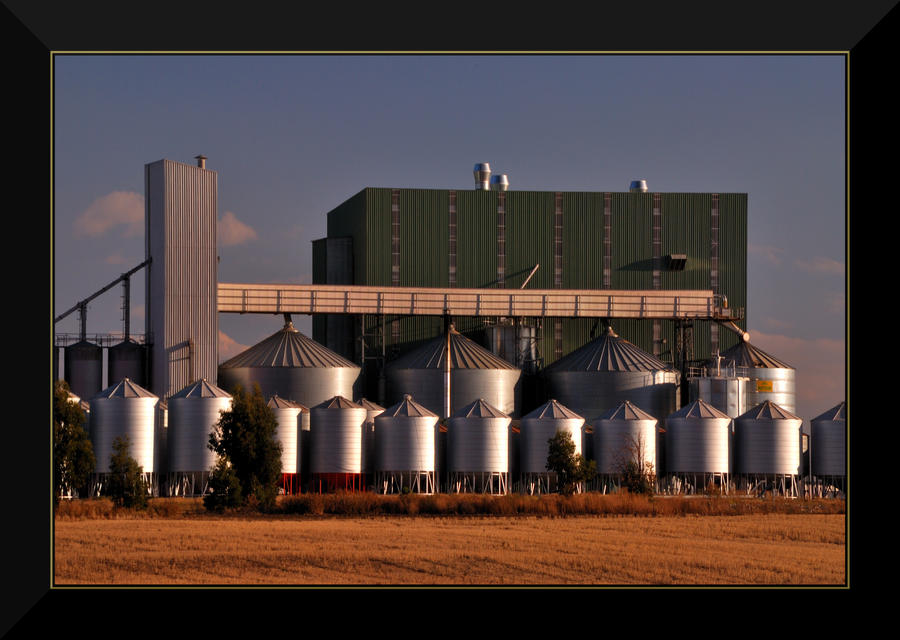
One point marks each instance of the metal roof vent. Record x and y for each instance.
(499, 182)
(638, 186)
(482, 174)
(201, 161)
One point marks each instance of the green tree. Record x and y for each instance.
(244, 440)
(125, 484)
(571, 468)
(73, 453)
(638, 474)
(225, 488)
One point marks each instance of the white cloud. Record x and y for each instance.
(117, 209)
(118, 258)
(821, 265)
(820, 366)
(232, 231)
(772, 255)
(775, 324)
(228, 348)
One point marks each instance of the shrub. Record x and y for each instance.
(126, 485)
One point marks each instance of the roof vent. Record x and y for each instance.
(638, 186)
(483, 175)
(499, 182)
(201, 161)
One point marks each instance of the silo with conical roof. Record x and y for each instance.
(372, 411)
(83, 368)
(769, 378)
(125, 410)
(625, 434)
(828, 448)
(767, 442)
(193, 414)
(336, 437)
(292, 366)
(698, 448)
(535, 429)
(128, 359)
(288, 415)
(405, 448)
(478, 449)
(474, 373)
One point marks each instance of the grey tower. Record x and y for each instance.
(182, 315)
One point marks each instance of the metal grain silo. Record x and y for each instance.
(769, 377)
(83, 368)
(293, 366)
(335, 456)
(625, 434)
(608, 371)
(722, 388)
(128, 359)
(475, 373)
(478, 449)
(161, 446)
(828, 447)
(698, 439)
(193, 414)
(535, 429)
(125, 410)
(288, 414)
(372, 410)
(767, 448)
(405, 438)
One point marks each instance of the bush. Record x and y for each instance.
(571, 468)
(126, 485)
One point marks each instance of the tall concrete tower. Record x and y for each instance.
(182, 314)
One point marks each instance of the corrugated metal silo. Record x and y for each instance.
(128, 359)
(372, 410)
(767, 447)
(608, 371)
(335, 457)
(478, 449)
(828, 443)
(625, 434)
(405, 453)
(726, 393)
(769, 378)
(475, 373)
(193, 414)
(293, 366)
(535, 429)
(161, 445)
(698, 447)
(288, 414)
(129, 411)
(83, 368)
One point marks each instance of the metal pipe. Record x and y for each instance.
(533, 271)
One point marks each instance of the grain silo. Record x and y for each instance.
(474, 372)
(828, 450)
(161, 446)
(335, 456)
(124, 410)
(767, 449)
(535, 429)
(289, 415)
(405, 448)
(769, 377)
(194, 413)
(128, 359)
(83, 368)
(698, 448)
(478, 449)
(372, 410)
(608, 371)
(293, 366)
(625, 434)
(721, 387)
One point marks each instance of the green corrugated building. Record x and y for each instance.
(581, 240)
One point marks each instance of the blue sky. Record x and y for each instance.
(293, 136)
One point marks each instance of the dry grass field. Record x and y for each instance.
(762, 549)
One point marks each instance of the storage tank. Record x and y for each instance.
(194, 413)
(292, 366)
(128, 359)
(767, 441)
(828, 443)
(698, 439)
(608, 371)
(288, 414)
(769, 377)
(475, 373)
(335, 458)
(535, 429)
(83, 368)
(624, 434)
(722, 388)
(478, 449)
(124, 410)
(372, 410)
(405, 453)
(161, 446)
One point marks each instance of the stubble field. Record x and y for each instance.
(764, 549)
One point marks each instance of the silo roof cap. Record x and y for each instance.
(744, 354)
(464, 354)
(626, 411)
(553, 409)
(480, 409)
(202, 389)
(125, 389)
(277, 402)
(609, 352)
(699, 409)
(838, 412)
(408, 408)
(368, 405)
(767, 410)
(288, 348)
(338, 402)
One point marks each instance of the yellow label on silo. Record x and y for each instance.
(764, 385)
